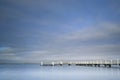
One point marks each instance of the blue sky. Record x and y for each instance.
(35, 30)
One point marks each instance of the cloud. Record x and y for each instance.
(7, 55)
(45, 30)
(72, 45)
(100, 40)
(101, 31)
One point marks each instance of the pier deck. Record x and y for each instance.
(95, 63)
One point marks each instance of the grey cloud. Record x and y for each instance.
(46, 33)
(77, 53)
(102, 31)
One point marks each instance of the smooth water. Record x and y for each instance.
(37, 72)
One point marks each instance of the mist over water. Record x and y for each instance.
(37, 72)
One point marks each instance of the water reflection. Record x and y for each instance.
(77, 73)
(36, 72)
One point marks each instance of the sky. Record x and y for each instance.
(37, 30)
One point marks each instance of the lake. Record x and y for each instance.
(37, 72)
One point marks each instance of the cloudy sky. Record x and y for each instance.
(35, 30)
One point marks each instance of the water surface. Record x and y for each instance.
(37, 72)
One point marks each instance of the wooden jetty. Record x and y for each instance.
(95, 63)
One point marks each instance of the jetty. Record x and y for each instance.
(95, 63)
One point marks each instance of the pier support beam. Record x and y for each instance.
(109, 65)
(69, 64)
(98, 65)
(105, 65)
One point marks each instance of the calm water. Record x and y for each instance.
(36, 72)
